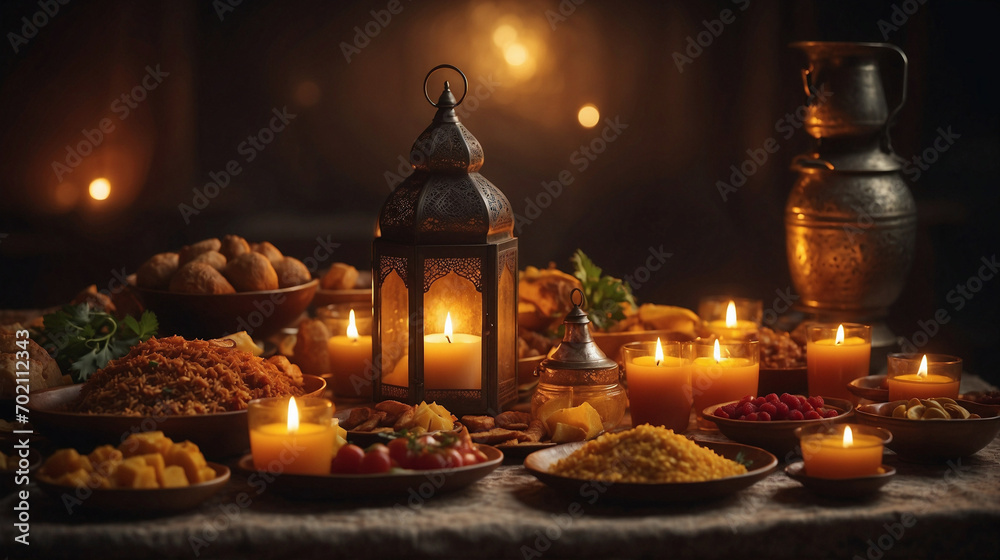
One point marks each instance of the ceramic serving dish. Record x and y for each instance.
(936, 440)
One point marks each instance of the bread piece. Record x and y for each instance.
(479, 423)
(155, 273)
(200, 278)
(251, 272)
(311, 352)
(233, 246)
(214, 259)
(270, 251)
(189, 252)
(43, 371)
(513, 420)
(341, 276)
(291, 272)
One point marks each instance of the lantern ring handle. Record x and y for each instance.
(576, 294)
(465, 82)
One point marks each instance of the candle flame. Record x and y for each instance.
(731, 315)
(659, 351)
(840, 336)
(848, 437)
(717, 353)
(447, 328)
(293, 416)
(922, 370)
(352, 328)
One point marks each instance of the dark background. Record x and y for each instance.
(325, 174)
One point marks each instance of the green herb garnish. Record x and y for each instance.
(605, 294)
(83, 340)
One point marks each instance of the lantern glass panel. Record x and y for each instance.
(394, 324)
(507, 328)
(453, 360)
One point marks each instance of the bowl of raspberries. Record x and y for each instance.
(770, 421)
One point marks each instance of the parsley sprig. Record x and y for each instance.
(604, 294)
(83, 340)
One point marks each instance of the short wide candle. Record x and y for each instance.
(453, 360)
(835, 356)
(717, 379)
(659, 384)
(848, 453)
(350, 356)
(923, 376)
(298, 441)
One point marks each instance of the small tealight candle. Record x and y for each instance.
(291, 436)
(850, 452)
(722, 372)
(350, 359)
(835, 356)
(659, 384)
(923, 377)
(731, 318)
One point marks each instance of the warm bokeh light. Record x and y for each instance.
(504, 35)
(588, 116)
(307, 93)
(515, 54)
(100, 189)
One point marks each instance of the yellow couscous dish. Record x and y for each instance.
(646, 454)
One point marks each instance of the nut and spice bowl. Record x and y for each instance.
(776, 436)
(933, 440)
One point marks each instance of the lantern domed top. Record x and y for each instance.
(445, 200)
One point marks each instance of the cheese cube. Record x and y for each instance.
(133, 472)
(174, 477)
(156, 461)
(188, 456)
(144, 443)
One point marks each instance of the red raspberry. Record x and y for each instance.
(730, 409)
(795, 415)
(721, 413)
(806, 407)
(789, 400)
(772, 398)
(769, 408)
(745, 399)
(802, 401)
(742, 417)
(751, 416)
(812, 415)
(815, 402)
(830, 413)
(747, 408)
(759, 401)
(781, 411)
(763, 416)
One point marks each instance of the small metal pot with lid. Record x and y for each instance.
(577, 371)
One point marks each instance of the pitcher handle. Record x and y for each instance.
(886, 141)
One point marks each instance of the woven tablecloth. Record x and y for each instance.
(950, 511)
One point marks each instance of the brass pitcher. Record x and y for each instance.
(850, 220)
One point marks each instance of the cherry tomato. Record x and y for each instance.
(399, 451)
(348, 460)
(453, 458)
(470, 458)
(428, 461)
(376, 460)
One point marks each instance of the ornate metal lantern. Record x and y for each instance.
(445, 277)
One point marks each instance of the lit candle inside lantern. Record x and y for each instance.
(846, 455)
(293, 446)
(717, 380)
(350, 355)
(923, 384)
(832, 363)
(453, 360)
(659, 387)
(732, 328)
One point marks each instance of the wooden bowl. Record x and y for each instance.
(870, 387)
(776, 436)
(206, 316)
(937, 440)
(219, 435)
